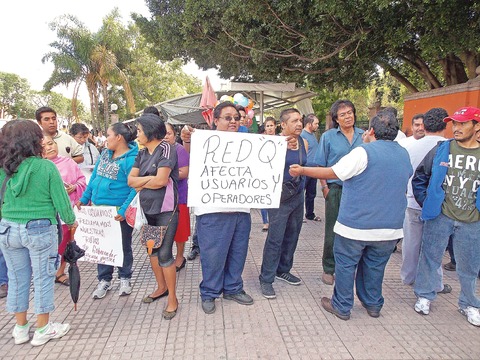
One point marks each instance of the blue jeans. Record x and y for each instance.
(362, 262)
(310, 194)
(466, 246)
(30, 249)
(412, 240)
(264, 213)
(3, 270)
(223, 240)
(105, 272)
(281, 243)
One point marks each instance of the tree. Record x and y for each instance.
(423, 44)
(14, 95)
(113, 62)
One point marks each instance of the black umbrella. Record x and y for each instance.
(72, 253)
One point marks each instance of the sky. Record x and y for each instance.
(25, 36)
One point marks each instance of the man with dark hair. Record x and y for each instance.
(285, 222)
(413, 224)
(223, 234)
(334, 144)
(418, 131)
(310, 126)
(67, 146)
(243, 118)
(375, 177)
(446, 186)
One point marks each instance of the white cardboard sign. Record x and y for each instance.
(235, 170)
(99, 234)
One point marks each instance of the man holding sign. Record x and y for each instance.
(223, 235)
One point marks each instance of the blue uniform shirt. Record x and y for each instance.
(333, 146)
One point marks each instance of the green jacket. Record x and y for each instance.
(36, 191)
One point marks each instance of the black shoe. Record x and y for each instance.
(194, 252)
(184, 262)
(447, 289)
(242, 298)
(208, 306)
(370, 312)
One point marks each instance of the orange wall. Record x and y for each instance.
(449, 102)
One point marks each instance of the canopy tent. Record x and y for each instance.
(267, 96)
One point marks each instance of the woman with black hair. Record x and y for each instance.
(108, 186)
(33, 194)
(155, 176)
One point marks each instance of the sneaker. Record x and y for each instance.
(289, 279)
(21, 334)
(267, 290)
(53, 331)
(208, 306)
(422, 306)
(102, 288)
(472, 314)
(194, 252)
(241, 297)
(447, 289)
(125, 287)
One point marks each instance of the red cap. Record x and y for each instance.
(465, 114)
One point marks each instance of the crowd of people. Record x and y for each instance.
(379, 188)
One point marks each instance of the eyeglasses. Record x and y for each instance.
(230, 118)
(349, 113)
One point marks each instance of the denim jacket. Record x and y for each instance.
(428, 180)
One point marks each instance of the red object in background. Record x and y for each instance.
(208, 101)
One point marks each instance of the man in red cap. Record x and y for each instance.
(446, 185)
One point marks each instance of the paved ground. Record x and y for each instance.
(292, 326)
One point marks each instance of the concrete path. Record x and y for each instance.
(292, 326)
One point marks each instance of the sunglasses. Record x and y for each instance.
(230, 118)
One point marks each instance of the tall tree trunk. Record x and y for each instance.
(453, 70)
(105, 105)
(400, 78)
(422, 68)
(471, 60)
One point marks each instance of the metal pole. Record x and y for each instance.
(261, 107)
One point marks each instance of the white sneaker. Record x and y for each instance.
(53, 331)
(125, 287)
(21, 334)
(102, 288)
(422, 306)
(472, 314)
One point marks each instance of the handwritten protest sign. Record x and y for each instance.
(235, 169)
(99, 234)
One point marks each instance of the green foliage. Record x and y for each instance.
(14, 96)
(421, 43)
(117, 66)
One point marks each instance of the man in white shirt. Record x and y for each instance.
(413, 225)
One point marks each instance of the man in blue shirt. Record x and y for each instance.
(334, 144)
(310, 126)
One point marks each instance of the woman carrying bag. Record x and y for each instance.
(155, 176)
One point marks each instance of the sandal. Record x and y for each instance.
(65, 281)
(265, 228)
